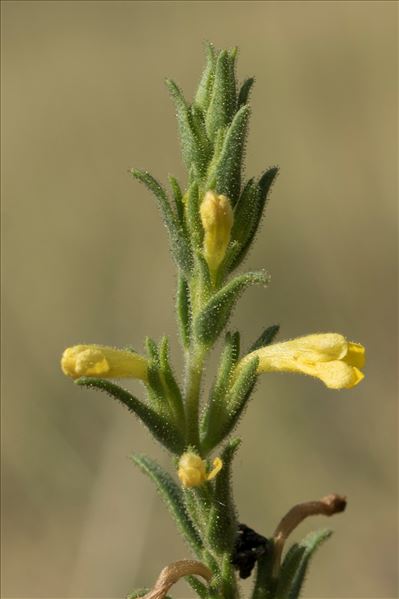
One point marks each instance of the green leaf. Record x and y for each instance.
(152, 349)
(243, 94)
(172, 390)
(295, 565)
(223, 101)
(266, 181)
(199, 128)
(222, 527)
(233, 249)
(238, 397)
(228, 170)
(178, 198)
(215, 409)
(214, 316)
(204, 276)
(165, 432)
(183, 309)
(163, 389)
(203, 95)
(266, 338)
(217, 151)
(198, 586)
(155, 388)
(180, 246)
(173, 497)
(193, 216)
(253, 212)
(289, 569)
(246, 212)
(191, 149)
(264, 586)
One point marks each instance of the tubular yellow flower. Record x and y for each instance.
(326, 356)
(192, 469)
(217, 220)
(103, 361)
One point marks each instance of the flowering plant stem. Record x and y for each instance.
(211, 226)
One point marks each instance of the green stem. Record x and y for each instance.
(230, 587)
(195, 364)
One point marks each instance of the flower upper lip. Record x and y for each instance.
(327, 356)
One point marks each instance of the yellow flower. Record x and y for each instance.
(217, 220)
(103, 361)
(326, 356)
(192, 469)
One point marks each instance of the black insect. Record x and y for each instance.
(249, 546)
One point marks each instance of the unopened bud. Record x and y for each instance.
(217, 220)
(192, 469)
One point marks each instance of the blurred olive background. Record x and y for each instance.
(86, 260)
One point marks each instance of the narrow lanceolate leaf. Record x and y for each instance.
(198, 587)
(156, 392)
(264, 587)
(257, 199)
(245, 212)
(214, 316)
(192, 152)
(223, 101)
(217, 150)
(215, 410)
(178, 198)
(266, 338)
(204, 92)
(165, 432)
(193, 215)
(243, 94)
(180, 245)
(238, 397)
(294, 568)
(172, 389)
(230, 355)
(172, 496)
(289, 569)
(201, 266)
(222, 527)
(266, 181)
(198, 126)
(233, 250)
(183, 309)
(228, 170)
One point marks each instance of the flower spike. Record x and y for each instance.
(103, 361)
(326, 356)
(212, 218)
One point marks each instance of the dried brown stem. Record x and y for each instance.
(327, 506)
(172, 573)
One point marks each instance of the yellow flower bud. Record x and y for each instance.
(217, 220)
(192, 469)
(326, 356)
(103, 361)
